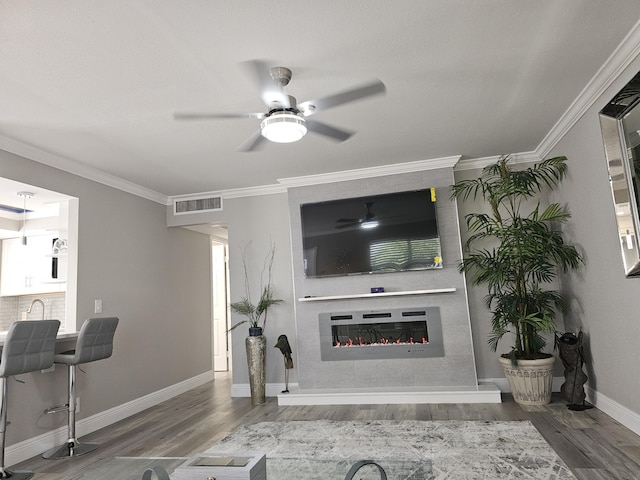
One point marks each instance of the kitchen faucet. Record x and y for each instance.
(36, 301)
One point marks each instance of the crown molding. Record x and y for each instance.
(56, 161)
(480, 163)
(370, 172)
(232, 193)
(286, 183)
(608, 73)
(253, 191)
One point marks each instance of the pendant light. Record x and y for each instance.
(24, 196)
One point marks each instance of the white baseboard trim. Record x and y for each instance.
(622, 414)
(503, 385)
(481, 394)
(274, 389)
(271, 390)
(392, 395)
(31, 447)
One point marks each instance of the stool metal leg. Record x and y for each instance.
(73, 447)
(4, 473)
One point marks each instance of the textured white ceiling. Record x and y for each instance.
(97, 82)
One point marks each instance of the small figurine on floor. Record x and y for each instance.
(285, 348)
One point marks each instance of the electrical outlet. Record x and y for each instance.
(24, 315)
(77, 404)
(98, 306)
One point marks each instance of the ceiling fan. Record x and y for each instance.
(285, 120)
(368, 221)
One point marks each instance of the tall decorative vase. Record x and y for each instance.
(256, 346)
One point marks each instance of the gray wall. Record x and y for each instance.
(156, 279)
(604, 303)
(486, 359)
(256, 222)
(457, 367)
(265, 219)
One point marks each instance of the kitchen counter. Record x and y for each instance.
(61, 337)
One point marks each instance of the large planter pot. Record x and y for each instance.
(256, 347)
(530, 380)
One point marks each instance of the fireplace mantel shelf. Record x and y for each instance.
(372, 295)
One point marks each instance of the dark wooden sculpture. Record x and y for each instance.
(572, 357)
(285, 348)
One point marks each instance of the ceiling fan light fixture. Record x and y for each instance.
(369, 224)
(283, 127)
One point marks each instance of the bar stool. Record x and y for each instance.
(28, 347)
(95, 342)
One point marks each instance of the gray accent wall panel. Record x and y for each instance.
(457, 368)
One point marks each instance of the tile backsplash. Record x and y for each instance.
(12, 308)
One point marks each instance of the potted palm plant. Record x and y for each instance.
(256, 317)
(256, 313)
(517, 252)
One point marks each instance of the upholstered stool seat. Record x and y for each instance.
(28, 347)
(95, 342)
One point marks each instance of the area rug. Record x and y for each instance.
(407, 450)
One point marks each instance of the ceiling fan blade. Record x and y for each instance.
(270, 91)
(253, 143)
(346, 225)
(213, 116)
(313, 106)
(328, 131)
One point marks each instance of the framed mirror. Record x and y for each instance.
(620, 125)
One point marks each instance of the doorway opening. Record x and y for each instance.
(220, 312)
(220, 307)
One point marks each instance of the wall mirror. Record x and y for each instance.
(620, 124)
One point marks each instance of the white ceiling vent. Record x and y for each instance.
(197, 205)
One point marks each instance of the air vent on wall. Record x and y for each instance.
(197, 205)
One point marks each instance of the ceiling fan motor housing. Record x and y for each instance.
(281, 75)
(277, 105)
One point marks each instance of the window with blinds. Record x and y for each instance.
(404, 254)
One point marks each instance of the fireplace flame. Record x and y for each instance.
(361, 342)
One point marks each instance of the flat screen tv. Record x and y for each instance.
(392, 232)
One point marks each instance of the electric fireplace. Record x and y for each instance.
(381, 334)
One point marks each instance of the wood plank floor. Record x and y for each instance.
(591, 443)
